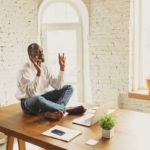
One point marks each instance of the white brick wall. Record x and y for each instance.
(18, 28)
(134, 104)
(109, 48)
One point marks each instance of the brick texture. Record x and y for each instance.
(18, 28)
(109, 49)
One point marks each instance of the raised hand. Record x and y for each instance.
(62, 60)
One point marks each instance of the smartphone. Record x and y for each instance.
(58, 132)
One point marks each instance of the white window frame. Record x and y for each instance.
(135, 64)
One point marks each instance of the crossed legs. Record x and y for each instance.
(52, 101)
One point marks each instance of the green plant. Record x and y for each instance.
(107, 121)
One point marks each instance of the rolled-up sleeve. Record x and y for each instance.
(56, 82)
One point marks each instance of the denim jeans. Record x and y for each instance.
(55, 100)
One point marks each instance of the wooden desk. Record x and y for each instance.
(131, 133)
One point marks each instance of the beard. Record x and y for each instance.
(42, 59)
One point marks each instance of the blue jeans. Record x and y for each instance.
(55, 100)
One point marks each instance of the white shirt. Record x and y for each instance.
(31, 85)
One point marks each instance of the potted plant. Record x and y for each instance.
(107, 122)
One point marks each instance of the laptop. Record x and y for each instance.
(91, 117)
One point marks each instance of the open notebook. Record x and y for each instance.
(62, 133)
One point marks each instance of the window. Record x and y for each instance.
(60, 12)
(62, 30)
(140, 49)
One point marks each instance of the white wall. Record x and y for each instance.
(18, 28)
(109, 49)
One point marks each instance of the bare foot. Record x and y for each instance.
(76, 110)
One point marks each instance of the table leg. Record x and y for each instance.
(10, 142)
(21, 144)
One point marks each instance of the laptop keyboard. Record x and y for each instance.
(87, 121)
(84, 120)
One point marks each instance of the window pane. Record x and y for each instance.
(60, 13)
(63, 41)
(145, 42)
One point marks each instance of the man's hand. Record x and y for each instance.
(37, 64)
(62, 60)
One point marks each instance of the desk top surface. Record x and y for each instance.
(131, 132)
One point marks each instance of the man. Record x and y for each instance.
(33, 82)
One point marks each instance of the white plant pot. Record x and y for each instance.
(108, 133)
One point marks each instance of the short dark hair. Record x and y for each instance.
(32, 47)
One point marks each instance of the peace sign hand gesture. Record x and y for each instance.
(62, 60)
